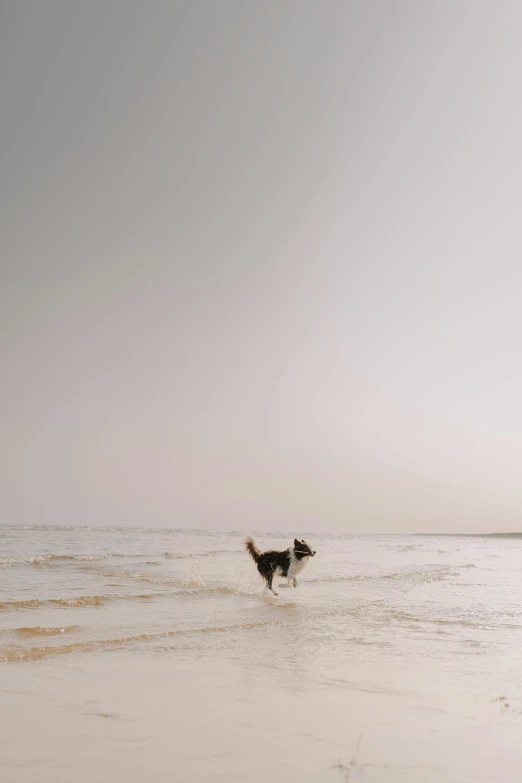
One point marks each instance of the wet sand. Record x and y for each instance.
(147, 718)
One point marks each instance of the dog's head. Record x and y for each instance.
(302, 549)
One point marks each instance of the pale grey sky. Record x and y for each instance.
(261, 264)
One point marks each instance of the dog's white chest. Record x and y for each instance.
(296, 565)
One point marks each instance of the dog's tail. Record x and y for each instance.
(251, 548)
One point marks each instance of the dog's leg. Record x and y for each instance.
(269, 582)
(295, 581)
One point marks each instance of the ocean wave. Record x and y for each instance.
(36, 603)
(37, 630)
(218, 590)
(478, 623)
(190, 580)
(425, 575)
(430, 573)
(30, 603)
(193, 555)
(328, 579)
(78, 602)
(20, 654)
(37, 560)
(433, 573)
(51, 558)
(81, 600)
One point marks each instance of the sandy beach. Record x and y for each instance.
(396, 659)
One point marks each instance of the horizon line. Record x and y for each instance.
(55, 526)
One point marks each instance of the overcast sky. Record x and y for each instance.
(261, 264)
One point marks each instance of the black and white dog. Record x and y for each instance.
(288, 563)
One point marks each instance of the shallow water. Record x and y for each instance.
(156, 655)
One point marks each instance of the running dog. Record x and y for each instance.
(287, 564)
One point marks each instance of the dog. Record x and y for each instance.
(287, 564)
